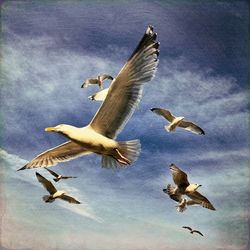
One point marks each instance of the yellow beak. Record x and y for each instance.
(50, 129)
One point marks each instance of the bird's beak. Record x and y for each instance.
(50, 129)
(83, 85)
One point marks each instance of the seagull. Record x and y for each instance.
(185, 188)
(59, 176)
(182, 202)
(193, 231)
(99, 96)
(54, 193)
(98, 80)
(99, 135)
(177, 122)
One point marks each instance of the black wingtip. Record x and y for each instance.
(22, 168)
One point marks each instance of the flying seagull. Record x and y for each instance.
(59, 176)
(98, 80)
(182, 202)
(54, 193)
(99, 96)
(177, 122)
(185, 188)
(99, 135)
(193, 231)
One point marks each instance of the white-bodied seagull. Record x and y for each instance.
(54, 193)
(183, 187)
(178, 122)
(99, 135)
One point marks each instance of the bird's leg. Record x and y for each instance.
(120, 158)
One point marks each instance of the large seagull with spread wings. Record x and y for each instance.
(99, 135)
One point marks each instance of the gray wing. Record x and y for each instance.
(68, 177)
(163, 112)
(189, 228)
(192, 127)
(93, 81)
(52, 172)
(46, 183)
(179, 177)
(104, 77)
(64, 152)
(69, 199)
(198, 232)
(125, 91)
(192, 202)
(204, 202)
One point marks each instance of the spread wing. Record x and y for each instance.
(93, 81)
(126, 89)
(198, 232)
(179, 177)
(69, 199)
(52, 172)
(203, 201)
(190, 126)
(163, 112)
(64, 152)
(189, 228)
(46, 183)
(68, 177)
(192, 202)
(104, 77)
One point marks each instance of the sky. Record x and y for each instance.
(49, 48)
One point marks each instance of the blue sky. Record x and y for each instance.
(49, 48)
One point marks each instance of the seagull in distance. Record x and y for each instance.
(177, 122)
(193, 231)
(183, 187)
(98, 80)
(59, 176)
(54, 193)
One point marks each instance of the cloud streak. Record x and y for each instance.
(12, 162)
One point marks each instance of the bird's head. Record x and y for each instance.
(194, 187)
(61, 128)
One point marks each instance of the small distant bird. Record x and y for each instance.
(193, 231)
(185, 188)
(99, 80)
(177, 122)
(54, 193)
(99, 96)
(59, 176)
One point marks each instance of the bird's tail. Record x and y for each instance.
(47, 198)
(168, 127)
(128, 151)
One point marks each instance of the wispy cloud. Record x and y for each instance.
(11, 164)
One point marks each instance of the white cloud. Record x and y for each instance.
(13, 162)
